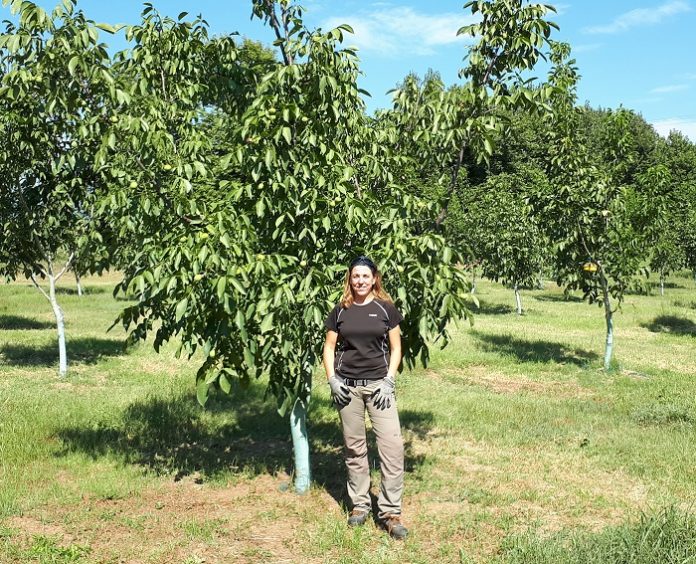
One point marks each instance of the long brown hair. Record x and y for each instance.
(377, 289)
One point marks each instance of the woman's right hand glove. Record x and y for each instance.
(339, 391)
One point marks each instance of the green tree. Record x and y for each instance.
(667, 219)
(503, 231)
(446, 137)
(676, 207)
(510, 39)
(599, 224)
(54, 96)
(667, 256)
(242, 256)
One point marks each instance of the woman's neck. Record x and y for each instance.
(363, 301)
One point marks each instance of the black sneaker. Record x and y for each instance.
(357, 517)
(394, 526)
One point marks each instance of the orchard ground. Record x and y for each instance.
(518, 445)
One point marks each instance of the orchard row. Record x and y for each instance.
(231, 183)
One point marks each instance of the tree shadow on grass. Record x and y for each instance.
(493, 309)
(687, 305)
(671, 324)
(668, 285)
(18, 323)
(85, 350)
(557, 298)
(534, 351)
(235, 434)
(85, 290)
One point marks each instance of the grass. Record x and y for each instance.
(666, 537)
(519, 448)
(46, 550)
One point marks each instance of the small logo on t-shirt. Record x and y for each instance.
(372, 314)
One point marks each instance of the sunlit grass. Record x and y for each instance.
(518, 444)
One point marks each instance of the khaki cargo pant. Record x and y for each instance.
(390, 445)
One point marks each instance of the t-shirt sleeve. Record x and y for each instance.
(331, 322)
(395, 317)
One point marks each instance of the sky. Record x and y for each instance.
(635, 53)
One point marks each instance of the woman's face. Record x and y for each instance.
(361, 281)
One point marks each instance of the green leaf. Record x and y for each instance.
(110, 28)
(488, 145)
(74, 61)
(225, 384)
(237, 285)
(287, 402)
(221, 287)
(249, 358)
(181, 309)
(239, 319)
(267, 323)
(202, 392)
(269, 157)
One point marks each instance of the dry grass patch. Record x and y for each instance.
(81, 387)
(447, 532)
(251, 521)
(545, 486)
(160, 364)
(501, 383)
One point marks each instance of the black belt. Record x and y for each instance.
(353, 383)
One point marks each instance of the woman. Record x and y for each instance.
(362, 375)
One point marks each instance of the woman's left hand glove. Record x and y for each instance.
(383, 396)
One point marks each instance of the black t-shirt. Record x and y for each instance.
(363, 342)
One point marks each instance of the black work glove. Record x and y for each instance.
(339, 391)
(384, 395)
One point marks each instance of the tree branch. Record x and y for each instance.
(489, 70)
(453, 186)
(278, 28)
(33, 279)
(66, 267)
(584, 244)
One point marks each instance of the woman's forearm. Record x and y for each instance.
(329, 353)
(394, 361)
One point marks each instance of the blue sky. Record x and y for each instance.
(639, 53)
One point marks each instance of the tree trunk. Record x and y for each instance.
(609, 349)
(60, 321)
(518, 300)
(300, 445)
(662, 282)
(79, 284)
(473, 279)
